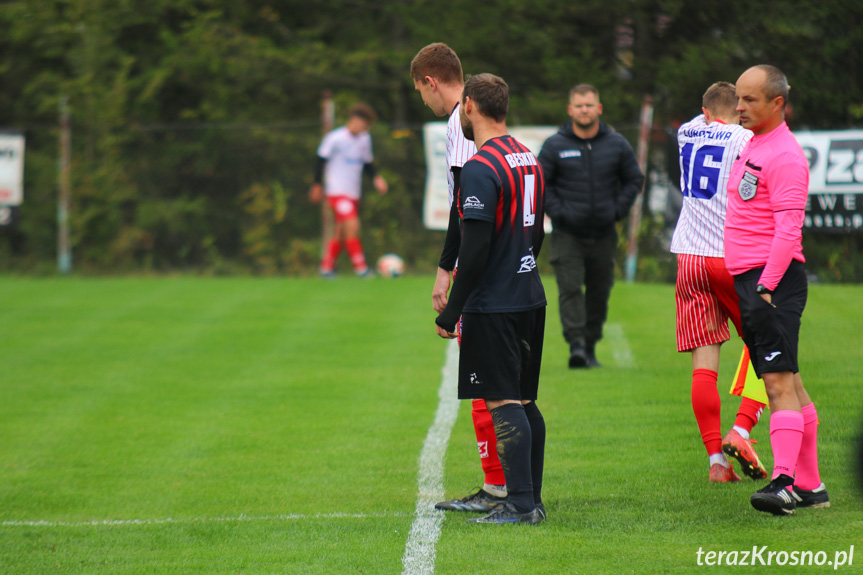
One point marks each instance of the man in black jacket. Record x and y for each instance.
(592, 178)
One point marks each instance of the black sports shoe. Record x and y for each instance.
(482, 501)
(507, 513)
(541, 508)
(577, 355)
(775, 498)
(590, 353)
(815, 498)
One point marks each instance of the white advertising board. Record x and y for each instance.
(11, 169)
(436, 204)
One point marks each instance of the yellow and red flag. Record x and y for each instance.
(745, 382)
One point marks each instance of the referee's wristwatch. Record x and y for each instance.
(760, 289)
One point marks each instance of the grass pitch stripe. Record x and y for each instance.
(419, 557)
(194, 520)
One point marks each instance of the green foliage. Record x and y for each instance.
(655, 263)
(833, 258)
(195, 121)
(265, 208)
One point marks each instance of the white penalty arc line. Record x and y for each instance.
(419, 557)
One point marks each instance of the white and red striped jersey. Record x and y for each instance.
(458, 149)
(707, 152)
(345, 154)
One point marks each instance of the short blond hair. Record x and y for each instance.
(720, 99)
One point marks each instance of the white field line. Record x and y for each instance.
(622, 351)
(170, 520)
(419, 557)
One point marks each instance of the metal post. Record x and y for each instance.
(64, 253)
(635, 215)
(328, 118)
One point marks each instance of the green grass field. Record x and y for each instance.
(274, 426)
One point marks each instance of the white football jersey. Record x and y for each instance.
(707, 152)
(345, 155)
(458, 149)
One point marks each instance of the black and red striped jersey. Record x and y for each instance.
(503, 184)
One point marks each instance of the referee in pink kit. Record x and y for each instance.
(767, 191)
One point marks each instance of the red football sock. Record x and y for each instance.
(486, 441)
(786, 435)
(749, 413)
(707, 408)
(355, 250)
(808, 477)
(331, 255)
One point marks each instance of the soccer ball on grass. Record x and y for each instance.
(390, 266)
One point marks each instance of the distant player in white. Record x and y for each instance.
(438, 77)
(344, 155)
(705, 294)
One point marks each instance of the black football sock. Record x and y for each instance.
(512, 429)
(537, 447)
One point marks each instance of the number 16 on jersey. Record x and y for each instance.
(700, 171)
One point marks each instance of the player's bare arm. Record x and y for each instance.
(473, 257)
(316, 193)
(440, 290)
(448, 257)
(380, 184)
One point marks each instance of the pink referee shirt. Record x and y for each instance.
(767, 191)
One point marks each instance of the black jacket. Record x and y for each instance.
(589, 184)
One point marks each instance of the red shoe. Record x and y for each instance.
(721, 474)
(741, 449)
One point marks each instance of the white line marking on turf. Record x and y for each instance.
(622, 351)
(169, 520)
(419, 557)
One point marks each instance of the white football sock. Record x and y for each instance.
(496, 490)
(718, 458)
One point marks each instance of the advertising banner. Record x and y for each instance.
(436, 205)
(11, 169)
(835, 180)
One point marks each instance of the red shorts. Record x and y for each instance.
(344, 208)
(706, 300)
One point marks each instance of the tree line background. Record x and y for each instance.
(195, 122)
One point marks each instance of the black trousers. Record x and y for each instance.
(584, 268)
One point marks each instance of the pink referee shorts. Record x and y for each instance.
(706, 300)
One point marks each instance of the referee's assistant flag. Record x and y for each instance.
(745, 382)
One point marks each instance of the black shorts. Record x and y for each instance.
(500, 355)
(772, 333)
